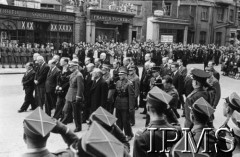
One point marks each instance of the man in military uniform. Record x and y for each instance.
(36, 139)
(200, 114)
(74, 97)
(10, 54)
(156, 80)
(29, 52)
(16, 56)
(48, 51)
(171, 90)
(4, 57)
(42, 52)
(198, 82)
(157, 104)
(124, 102)
(133, 77)
(23, 55)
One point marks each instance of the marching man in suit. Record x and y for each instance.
(40, 79)
(50, 85)
(28, 86)
(98, 91)
(74, 97)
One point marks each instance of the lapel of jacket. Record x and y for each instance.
(96, 84)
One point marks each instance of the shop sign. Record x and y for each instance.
(35, 14)
(60, 28)
(158, 13)
(110, 18)
(27, 25)
(166, 38)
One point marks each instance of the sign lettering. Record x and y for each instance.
(111, 18)
(60, 28)
(36, 14)
(27, 25)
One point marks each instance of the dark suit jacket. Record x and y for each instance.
(99, 94)
(183, 71)
(41, 74)
(51, 81)
(216, 74)
(87, 92)
(178, 82)
(76, 86)
(28, 79)
(188, 88)
(63, 81)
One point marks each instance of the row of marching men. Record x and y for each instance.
(104, 138)
(78, 91)
(14, 54)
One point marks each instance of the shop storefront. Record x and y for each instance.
(107, 25)
(26, 25)
(160, 29)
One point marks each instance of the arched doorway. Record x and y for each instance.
(8, 31)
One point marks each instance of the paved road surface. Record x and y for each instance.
(11, 129)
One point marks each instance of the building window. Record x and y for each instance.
(168, 9)
(203, 36)
(218, 38)
(204, 14)
(220, 14)
(231, 15)
(47, 6)
(138, 10)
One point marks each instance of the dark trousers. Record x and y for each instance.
(132, 114)
(76, 111)
(29, 99)
(4, 60)
(10, 61)
(123, 121)
(40, 96)
(16, 60)
(23, 60)
(50, 102)
(59, 107)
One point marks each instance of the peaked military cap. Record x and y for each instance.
(99, 142)
(200, 75)
(156, 96)
(155, 69)
(123, 70)
(234, 101)
(203, 107)
(38, 123)
(103, 116)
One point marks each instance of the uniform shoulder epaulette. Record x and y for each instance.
(141, 131)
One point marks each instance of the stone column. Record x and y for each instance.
(90, 31)
(93, 38)
(185, 35)
(130, 33)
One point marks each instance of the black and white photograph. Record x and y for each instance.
(120, 78)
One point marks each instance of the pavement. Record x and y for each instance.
(12, 96)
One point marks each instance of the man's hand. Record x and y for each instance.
(131, 110)
(60, 128)
(36, 82)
